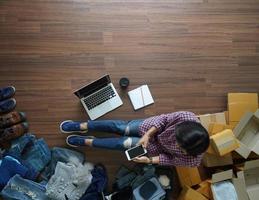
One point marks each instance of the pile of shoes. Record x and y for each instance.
(12, 123)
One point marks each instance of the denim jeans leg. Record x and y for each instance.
(18, 145)
(18, 188)
(129, 128)
(116, 143)
(38, 155)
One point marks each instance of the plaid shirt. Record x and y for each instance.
(163, 143)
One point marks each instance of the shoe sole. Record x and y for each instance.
(69, 132)
(87, 137)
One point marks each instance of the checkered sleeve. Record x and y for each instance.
(159, 122)
(184, 160)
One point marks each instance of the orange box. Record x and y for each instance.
(216, 128)
(188, 175)
(211, 150)
(188, 193)
(240, 103)
(204, 189)
(224, 142)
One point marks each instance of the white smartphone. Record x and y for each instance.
(135, 152)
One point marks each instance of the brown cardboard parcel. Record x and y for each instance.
(240, 103)
(224, 142)
(249, 184)
(247, 132)
(207, 119)
(237, 182)
(210, 160)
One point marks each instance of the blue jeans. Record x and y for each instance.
(19, 188)
(32, 152)
(128, 130)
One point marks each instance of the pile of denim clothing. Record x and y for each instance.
(29, 170)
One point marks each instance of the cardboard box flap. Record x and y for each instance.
(240, 187)
(251, 164)
(257, 113)
(243, 122)
(242, 97)
(221, 176)
(243, 150)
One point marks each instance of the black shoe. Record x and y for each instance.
(7, 105)
(7, 92)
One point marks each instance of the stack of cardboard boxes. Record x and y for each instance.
(234, 135)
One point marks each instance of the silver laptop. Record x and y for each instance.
(99, 97)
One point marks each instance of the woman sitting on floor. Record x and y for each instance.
(176, 139)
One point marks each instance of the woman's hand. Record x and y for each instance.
(144, 141)
(142, 159)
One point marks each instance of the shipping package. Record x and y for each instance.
(207, 119)
(204, 189)
(188, 193)
(214, 128)
(210, 160)
(224, 142)
(238, 183)
(239, 104)
(247, 132)
(249, 180)
(188, 175)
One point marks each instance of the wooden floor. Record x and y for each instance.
(190, 52)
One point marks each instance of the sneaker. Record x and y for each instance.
(77, 140)
(11, 118)
(70, 126)
(13, 132)
(7, 92)
(7, 105)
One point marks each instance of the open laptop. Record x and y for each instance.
(99, 97)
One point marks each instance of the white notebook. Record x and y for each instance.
(140, 97)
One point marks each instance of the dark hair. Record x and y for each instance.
(192, 137)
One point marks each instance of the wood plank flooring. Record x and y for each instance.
(191, 53)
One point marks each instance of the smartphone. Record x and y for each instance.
(135, 152)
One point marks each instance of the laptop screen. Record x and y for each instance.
(93, 87)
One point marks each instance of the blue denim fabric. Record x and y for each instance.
(23, 189)
(98, 184)
(115, 143)
(18, 145)
(61, 155)
(128, 129)
(123, 128)
(32, 152)
(38, 155)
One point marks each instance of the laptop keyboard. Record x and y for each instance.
(99, 97)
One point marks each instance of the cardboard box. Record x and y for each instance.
(227, 117)
(188, 193)
(211, 150)
(237, 182)
(188, 175)
(210, 160)
(247, 132)
(204, 189)
(249, 180)
(217, 127)
(224, 142)
(207, 119)
(240, 103)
